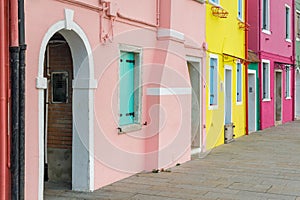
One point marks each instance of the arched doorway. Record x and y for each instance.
(83, 86)
(58, 113)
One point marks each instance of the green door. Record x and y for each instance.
(126, 88)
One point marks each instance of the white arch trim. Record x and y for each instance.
(82, 85)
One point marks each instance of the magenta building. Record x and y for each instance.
(271, 36)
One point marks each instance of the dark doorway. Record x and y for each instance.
(58, 113)
(278, 97)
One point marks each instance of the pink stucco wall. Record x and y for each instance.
(165, 140)
(275, 48)
(268, 107)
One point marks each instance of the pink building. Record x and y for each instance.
(111, 88)
(271, 35)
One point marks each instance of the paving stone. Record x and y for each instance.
(264, 165)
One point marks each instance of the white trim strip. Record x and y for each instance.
(170, 33)
(168, 91)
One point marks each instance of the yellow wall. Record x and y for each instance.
(223, 35)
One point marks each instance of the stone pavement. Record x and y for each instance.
(264, 165)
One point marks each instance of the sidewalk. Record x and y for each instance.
(263, 165)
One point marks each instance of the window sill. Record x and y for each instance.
(213, 3)
(266, 100)
(238, 103)
(288, 98)
(298, 39)
(129, 128)
(288, 40)
(268, 32)
(240, 19)
(212, 107)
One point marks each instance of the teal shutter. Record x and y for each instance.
(239, 83)
(213, 81)
(126, 88)
(211, 85)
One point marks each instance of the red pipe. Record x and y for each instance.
(246, 66)
(14, 31)
(4, 172)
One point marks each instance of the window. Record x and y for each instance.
(287, 22)
(129, 90)
(287, 81)
(240, 9)
(266, 15)
(59, 87)
(266, 79)
(213, 81)
(298, 25)
(215, 1)
(239, 82)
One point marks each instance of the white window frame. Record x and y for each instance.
(268, 98)
(288, 82)
(137, 125)
(267, 28)
(241, 71)
(288, 24)
(240, 17)
(297, 28)
(214, 106)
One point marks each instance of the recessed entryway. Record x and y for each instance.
(278, 97)
(58, 112)
(252, 101)
(194, 66)
(228, 95)
(83, 86)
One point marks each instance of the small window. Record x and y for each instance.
(266, 79)
(59, 85)
(213, 81)
(287, 22)
(298, 25)
(287, 81)
(239, 82)
(129, 89)
(240, 9)
(266, 15)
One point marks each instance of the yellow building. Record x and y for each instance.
(225, 72)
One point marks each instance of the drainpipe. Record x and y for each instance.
(246, 65)
(259, 64)
(14, 65)
(22, 56)
(4, 164)
(293, 59)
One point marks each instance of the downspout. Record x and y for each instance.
(293, 60)
(246, 65)
(14, 65)
(259, 64)
(22, 56)
(4, 164)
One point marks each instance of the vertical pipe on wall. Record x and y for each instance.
(293, 59)
(22, 95)
(246, 65)
(4, 178)
(14, 64)
(259, 64)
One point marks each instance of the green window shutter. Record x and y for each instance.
(127, 63)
